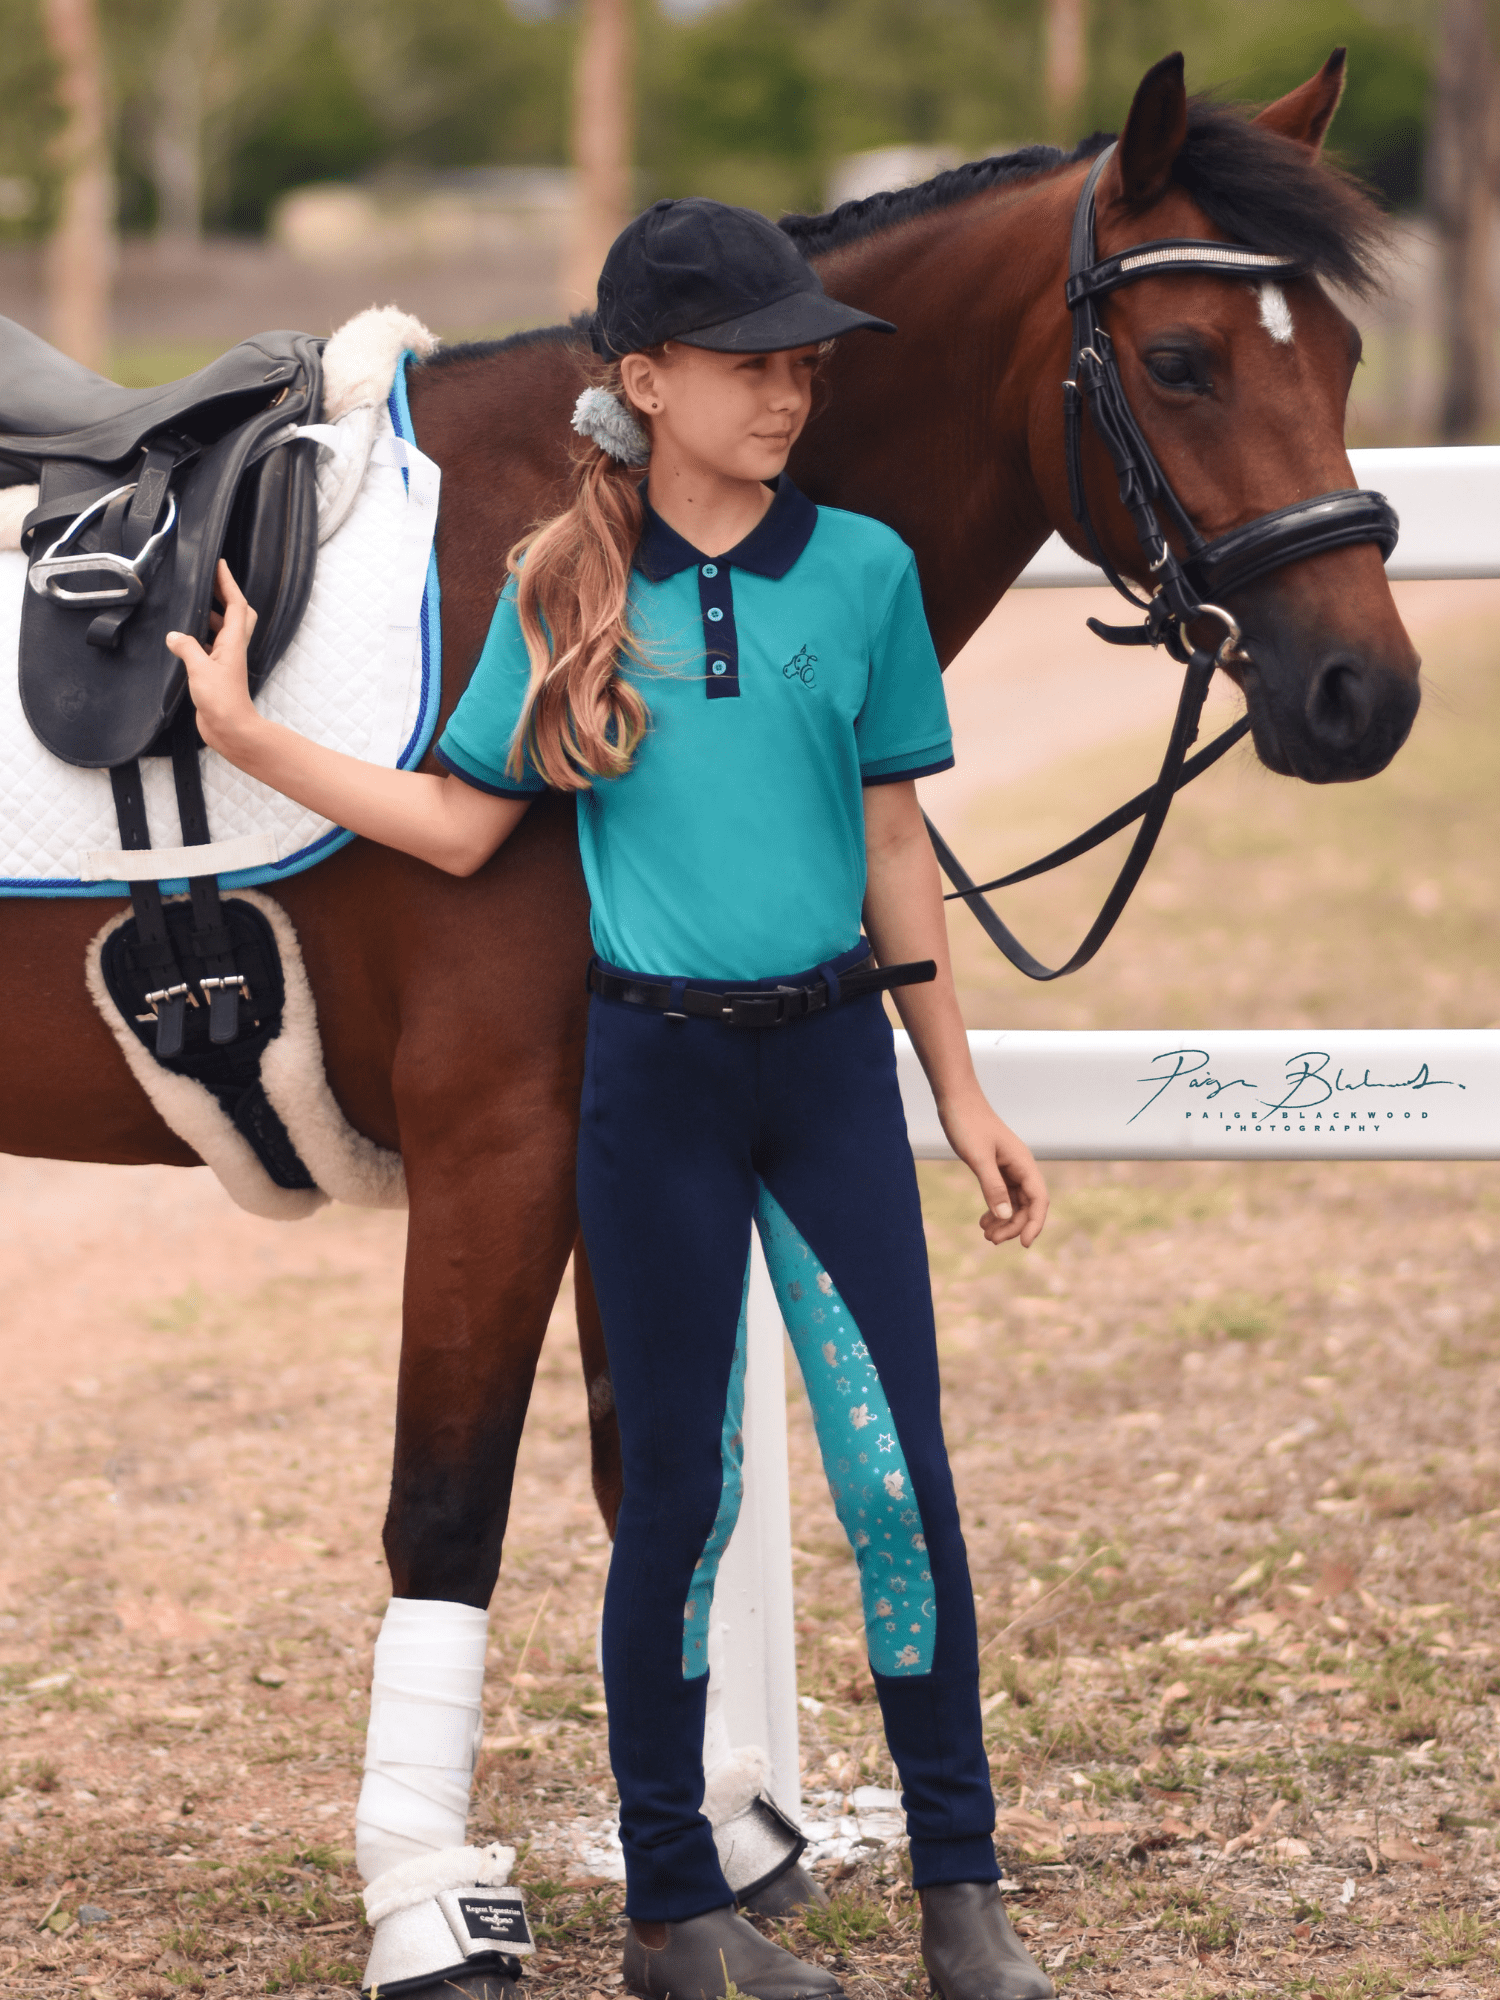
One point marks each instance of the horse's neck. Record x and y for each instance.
(930, 432)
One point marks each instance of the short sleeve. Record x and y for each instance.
(902, 730)
(476, 744)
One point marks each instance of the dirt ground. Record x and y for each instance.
(1225, 1443)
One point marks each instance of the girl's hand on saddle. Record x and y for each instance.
(1015, 1193)
(220, 680)
(438, 819)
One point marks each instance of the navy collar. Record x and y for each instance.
(770, 548)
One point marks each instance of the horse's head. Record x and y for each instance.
(1240, 389)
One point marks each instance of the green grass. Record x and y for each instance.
(844, 1920)
(1194, 1915)
(1406, 1686)
(1230, 1316)
(1455, 1938)
(1364, 1980)
(309, 1967)
(38, 1774)
(306, 1886)
(1104, 1211)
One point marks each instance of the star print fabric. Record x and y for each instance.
(862, 1456)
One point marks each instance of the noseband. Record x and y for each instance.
(1183, 588)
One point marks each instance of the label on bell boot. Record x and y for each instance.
(494, 1921)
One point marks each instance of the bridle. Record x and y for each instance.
(1184, 588)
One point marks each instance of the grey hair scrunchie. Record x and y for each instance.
(612, 426)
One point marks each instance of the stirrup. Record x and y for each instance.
(131, 571)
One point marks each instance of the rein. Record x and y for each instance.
(1182, 588)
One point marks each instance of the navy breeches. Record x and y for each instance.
(691, 1133)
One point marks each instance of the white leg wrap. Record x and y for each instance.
(436, 1915)
(425, 1727)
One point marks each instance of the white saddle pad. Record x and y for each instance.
(361, 675)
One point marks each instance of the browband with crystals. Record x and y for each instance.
(1224, 260)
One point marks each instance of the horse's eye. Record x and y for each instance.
(1172, 369)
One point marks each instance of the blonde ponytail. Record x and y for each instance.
(582, 719)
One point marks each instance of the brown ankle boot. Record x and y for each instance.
(691, 1960)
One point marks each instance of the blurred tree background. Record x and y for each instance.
(219, 106)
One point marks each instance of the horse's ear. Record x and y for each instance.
(1153, 133)
(1306, 113)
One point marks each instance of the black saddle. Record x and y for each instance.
(142, 490)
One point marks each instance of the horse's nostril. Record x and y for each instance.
(1340, 704)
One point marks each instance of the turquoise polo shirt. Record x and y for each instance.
(781, 678)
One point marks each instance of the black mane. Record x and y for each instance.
(1259, 188)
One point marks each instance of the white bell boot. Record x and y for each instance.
(444, 1915)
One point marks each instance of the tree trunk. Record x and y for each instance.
(603, 123)
(1462, 161)
(1066, 68)
(81, 252)
(177, 138)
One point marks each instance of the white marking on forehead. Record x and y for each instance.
(1276, 314)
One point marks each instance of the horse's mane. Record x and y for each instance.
(573, 334)
(1258, 187)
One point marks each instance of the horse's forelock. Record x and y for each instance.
(1271, 193)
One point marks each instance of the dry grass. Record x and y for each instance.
(1225, 1443)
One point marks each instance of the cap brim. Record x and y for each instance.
(797, 321)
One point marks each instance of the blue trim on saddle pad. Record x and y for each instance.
(412, 753)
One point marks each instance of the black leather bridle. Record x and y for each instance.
(1183, 588)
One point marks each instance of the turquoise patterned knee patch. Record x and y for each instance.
(862, 1455)
(700, 1601)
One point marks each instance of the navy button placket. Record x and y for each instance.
(721, 650)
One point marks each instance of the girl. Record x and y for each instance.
(741, 689)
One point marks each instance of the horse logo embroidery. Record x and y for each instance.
(800, 668)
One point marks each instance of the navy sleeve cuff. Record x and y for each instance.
(901, 777)
(479, 784)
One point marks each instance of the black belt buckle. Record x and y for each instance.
(765, 1010)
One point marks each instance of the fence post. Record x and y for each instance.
(753, 1650)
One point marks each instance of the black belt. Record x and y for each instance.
(762, 1007)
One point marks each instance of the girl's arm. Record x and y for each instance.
(438, 819)
(904, 921)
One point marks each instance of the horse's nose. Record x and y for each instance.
(1341, 703)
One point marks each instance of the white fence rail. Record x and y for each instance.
(1144, 1094)
(1447, 497)
(1232, 1094)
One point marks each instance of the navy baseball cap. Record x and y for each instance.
(713, 276)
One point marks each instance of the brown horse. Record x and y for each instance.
(453, 1010)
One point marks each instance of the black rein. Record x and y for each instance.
(1183, 589)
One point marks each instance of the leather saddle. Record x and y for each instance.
(142, 490)
(140, 493)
